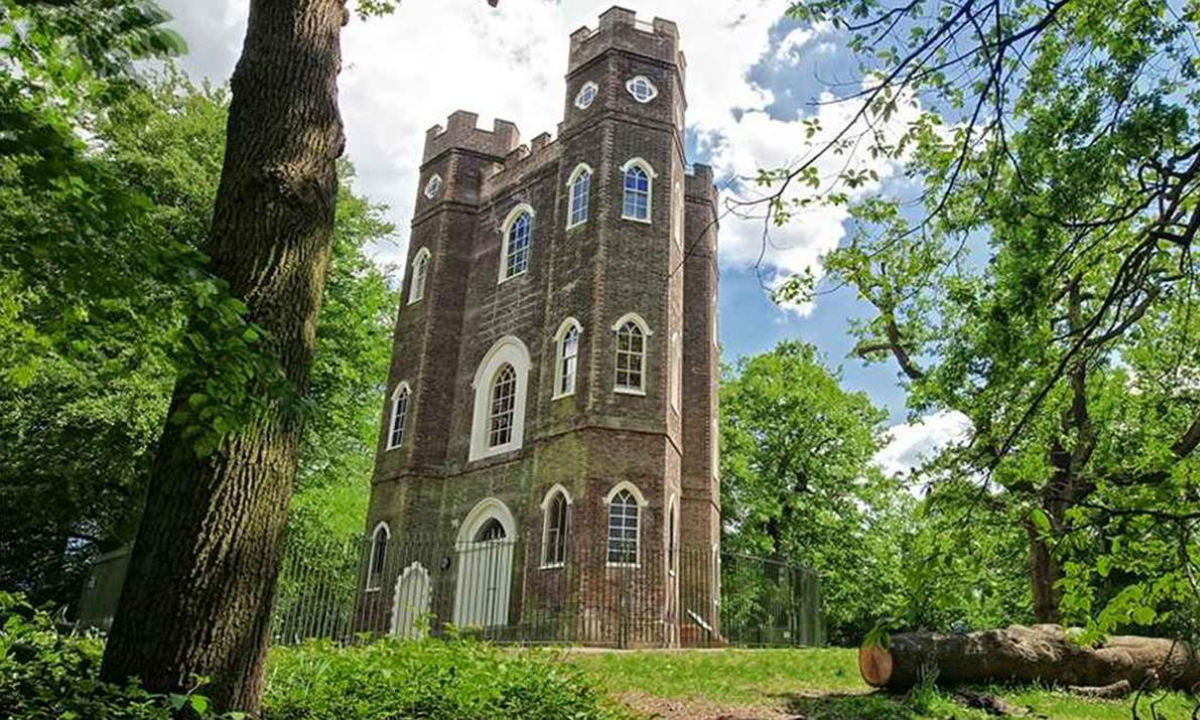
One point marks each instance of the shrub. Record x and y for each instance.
(435, 679)
(46, 674)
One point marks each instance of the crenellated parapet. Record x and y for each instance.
(519, 164)
(619, 28)
(461, 133)
(699, 184)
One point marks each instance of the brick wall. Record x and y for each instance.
(596, 273)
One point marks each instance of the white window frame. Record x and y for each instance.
(675, 367)
(646, 334)
(579, 101)
(507, 350)
(650, 177)
(579, 170)
(502, 406)
(375, 579)
(672, 535)
(680, 222)
(433, 187)
(547, 502)
(416, 286)
(559, 348)
(509, 221)
(641, 503)
(633, 81)
(402, 390)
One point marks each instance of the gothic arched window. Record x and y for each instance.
(518, 236)
(566, 358)
(399, 415)
(503, 406)
(420, 269)
(630, 359)
(578, 189)
(672, 529)
(378, 559)
(637, 177)
(624, 520)
(500, 385)
(554, 532)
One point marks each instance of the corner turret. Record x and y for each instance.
(619, 28)
(461, 133)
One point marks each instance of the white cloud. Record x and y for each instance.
(789, 50)
(760, 141)
(913, 443)
(407, 72)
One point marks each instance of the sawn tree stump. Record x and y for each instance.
(1027, 654)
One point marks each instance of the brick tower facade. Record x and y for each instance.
(548, 443)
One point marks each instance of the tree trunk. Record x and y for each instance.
(1029, 654)
(1043, 578)
(202, 575)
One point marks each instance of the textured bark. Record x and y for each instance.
(1030, 654)
(202, 575)
(1044, 575)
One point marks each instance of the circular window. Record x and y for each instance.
(586, 95)
(433, 187)
(642, 89)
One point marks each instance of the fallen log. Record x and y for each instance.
(1041, 653)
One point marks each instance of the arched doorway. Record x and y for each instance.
(410, 602)
(485, 554)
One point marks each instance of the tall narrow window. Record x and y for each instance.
(676, 370)
(517, 240)
(554, 540)
(631, 358)
(420, 269)
(399, 415)
(623, 529)
(637, 194)
(580, 187)
(567, 363)
(378, 560)
(500, 386)
(671, 530)
(503, 406)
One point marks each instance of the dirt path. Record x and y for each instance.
(670, 709)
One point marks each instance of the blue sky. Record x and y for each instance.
(752, 78)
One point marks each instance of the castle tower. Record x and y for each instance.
(547, 448)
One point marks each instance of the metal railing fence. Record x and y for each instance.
(504, 590)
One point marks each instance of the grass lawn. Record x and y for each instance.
(819, 684)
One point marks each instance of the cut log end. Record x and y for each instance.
(875, 665)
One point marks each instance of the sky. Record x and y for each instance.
(753, 77)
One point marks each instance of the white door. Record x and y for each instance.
(484, 577)
(411, 602)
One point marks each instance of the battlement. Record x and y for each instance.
(699, 182)
(518, 164)
(460, 133)
(619, 28)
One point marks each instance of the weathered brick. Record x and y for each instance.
(597, 272)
